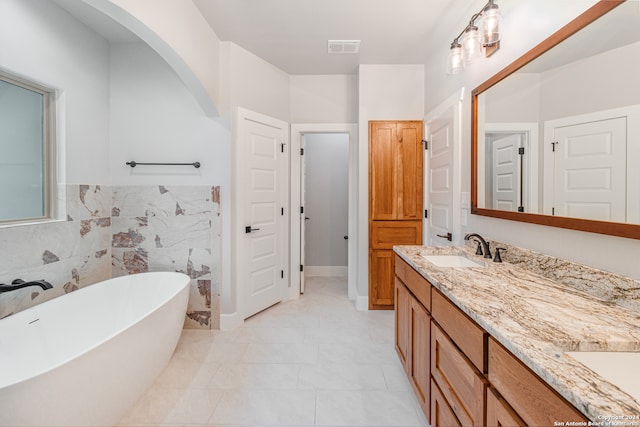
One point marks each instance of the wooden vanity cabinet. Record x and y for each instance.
(531, 398)
(499, 413)
(413, 329)
(461, 375)
(458, 361)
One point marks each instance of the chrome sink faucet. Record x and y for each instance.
(486, 250)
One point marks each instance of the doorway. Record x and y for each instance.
(325, 198)
(300, 134)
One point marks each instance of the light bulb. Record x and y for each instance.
(491, 25)
(471, 44)
(455, 64)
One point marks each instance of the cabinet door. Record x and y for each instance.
(499, 413)
(534, 401)
(403, 325)
(383, 160)
(461, 384)
(381, 268)
(420, 360)
(410, 170)
(441, 413)
(395, 170)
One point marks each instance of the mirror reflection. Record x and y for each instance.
(561, 136)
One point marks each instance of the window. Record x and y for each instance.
(27, 151)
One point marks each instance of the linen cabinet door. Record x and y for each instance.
(381, 275)
(410, 170)
(383, 170)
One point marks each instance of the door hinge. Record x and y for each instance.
(302, 151)
(301, 267)
(553, 211)
(521, 151)
(282, 211)
(301, 209)
(282, 274)
(282, 147)
(426, 144)
(426, 213)
(553, 144)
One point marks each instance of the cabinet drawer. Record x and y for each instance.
(464, 332)
(418, 285)
(441, 413)
(499, 413)
(387, 234)
(460, 383)
(533, 400)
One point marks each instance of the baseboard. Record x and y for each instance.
(362, 303)
(325, 271)
(230, 321)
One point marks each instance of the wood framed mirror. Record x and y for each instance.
(555, 136)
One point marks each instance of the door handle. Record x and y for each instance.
(249, 229)
(448, 236)
(306, 218)
(346, 237)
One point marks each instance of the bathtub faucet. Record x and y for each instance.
(19, 283)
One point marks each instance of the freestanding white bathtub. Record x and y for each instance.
(83, 359)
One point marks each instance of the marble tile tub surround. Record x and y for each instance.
(109, 232)
(171, 228)
(611, 287)
(538, 320)
(70, 253)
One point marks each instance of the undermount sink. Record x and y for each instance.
(617, 367)
(451, 261)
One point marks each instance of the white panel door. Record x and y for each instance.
(440, 180)
(262, 264)
(506, 174)
(590, 170)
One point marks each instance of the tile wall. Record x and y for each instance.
(158, 228)
(112, 231)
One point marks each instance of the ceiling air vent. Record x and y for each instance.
(343, 46)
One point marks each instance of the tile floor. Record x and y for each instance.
(311, 362)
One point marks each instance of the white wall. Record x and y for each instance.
(326, 158)
(252, 83)
(525, 24)
(154, 118)
(179, 33)
(43, 42)
(324, 99)
(597, 74)
(385, 92)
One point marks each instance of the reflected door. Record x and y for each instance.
(506, 174)
(590, 170)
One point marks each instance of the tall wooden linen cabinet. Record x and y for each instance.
(395, 201)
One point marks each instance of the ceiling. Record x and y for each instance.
(293, 34)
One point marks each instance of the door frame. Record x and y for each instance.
(297, 133)
(454, 102)
(240, 199)
(531, 168)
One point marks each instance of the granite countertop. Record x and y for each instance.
(538, 320)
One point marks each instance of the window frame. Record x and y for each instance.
(49, 149)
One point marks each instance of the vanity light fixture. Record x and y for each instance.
(472, 40)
